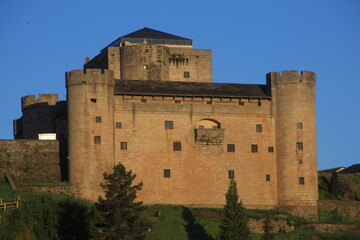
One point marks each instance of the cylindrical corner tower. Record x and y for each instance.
(90, 99)
(293, 97)
(38, 115)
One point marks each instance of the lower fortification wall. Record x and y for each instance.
(30, 160)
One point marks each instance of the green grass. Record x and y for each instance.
(169, 225)
(54, 184)
(356, 179)
(182, 223)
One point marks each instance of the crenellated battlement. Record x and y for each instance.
(89, 76)
(42, 99)
(291, 77)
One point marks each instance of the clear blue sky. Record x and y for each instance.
(41, 39)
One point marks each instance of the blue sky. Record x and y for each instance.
(41, 39)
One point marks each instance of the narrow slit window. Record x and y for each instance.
(123, 145)
(258, 128)
(267, 177)
(299, 125)
(98, 119)
(118, 125)
(143, 100)
(299, 146)
(301, 180)
(254, 148)
(231, 147)
(97, 139)
(93, 100)
(177, 146)
(231, 174)
(169, 125)
(167, 173)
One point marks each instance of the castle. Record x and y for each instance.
(148, 101)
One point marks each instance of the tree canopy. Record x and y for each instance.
(119, 215)
(234, 224)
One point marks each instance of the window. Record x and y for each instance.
(143, 100)
(299, 146)
(258, 128)
(231, 174)
(254, 148)
(97, 139)
(177, 101)
(208, 102)
(259, 104)
(118, 125)
(98, 119)
(267, 177)
(301, 180)
(123, 145)
(177, 146)
(93, 100)
(241, 103)
(169, 125)
(186, 74)
(145, 66)
(299, 125)
(166, 173)
(231, 147)
(271, 149)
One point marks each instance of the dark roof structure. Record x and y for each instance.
(352, 169)
(148, 33)
(199, 89)
(152, 37)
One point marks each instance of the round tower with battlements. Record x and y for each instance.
(38, 114)
(293, 105)
(90, 98)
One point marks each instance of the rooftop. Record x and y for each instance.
(172, 88)
(152, 37)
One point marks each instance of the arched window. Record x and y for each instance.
(208, 123)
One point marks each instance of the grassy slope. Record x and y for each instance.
(180, 223)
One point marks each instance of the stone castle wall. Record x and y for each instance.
(199, 172)
(30, 160)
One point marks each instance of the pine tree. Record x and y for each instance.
(234, 224)
(267, 235)
(120, 217)
(335, 188)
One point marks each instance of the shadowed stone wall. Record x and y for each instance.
(30, 160)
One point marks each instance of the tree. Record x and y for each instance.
(234, 224)
(267, 235)
(335, 187)
(120, 217)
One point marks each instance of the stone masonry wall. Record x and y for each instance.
(199, 172)
(30, 160)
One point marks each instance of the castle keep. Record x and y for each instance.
(148, 101)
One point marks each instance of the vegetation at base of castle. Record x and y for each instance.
(335, 187)
(267, 235)
(339, 187)
(234, 223)
(46, 216)
(56, 216)
(119, 216)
